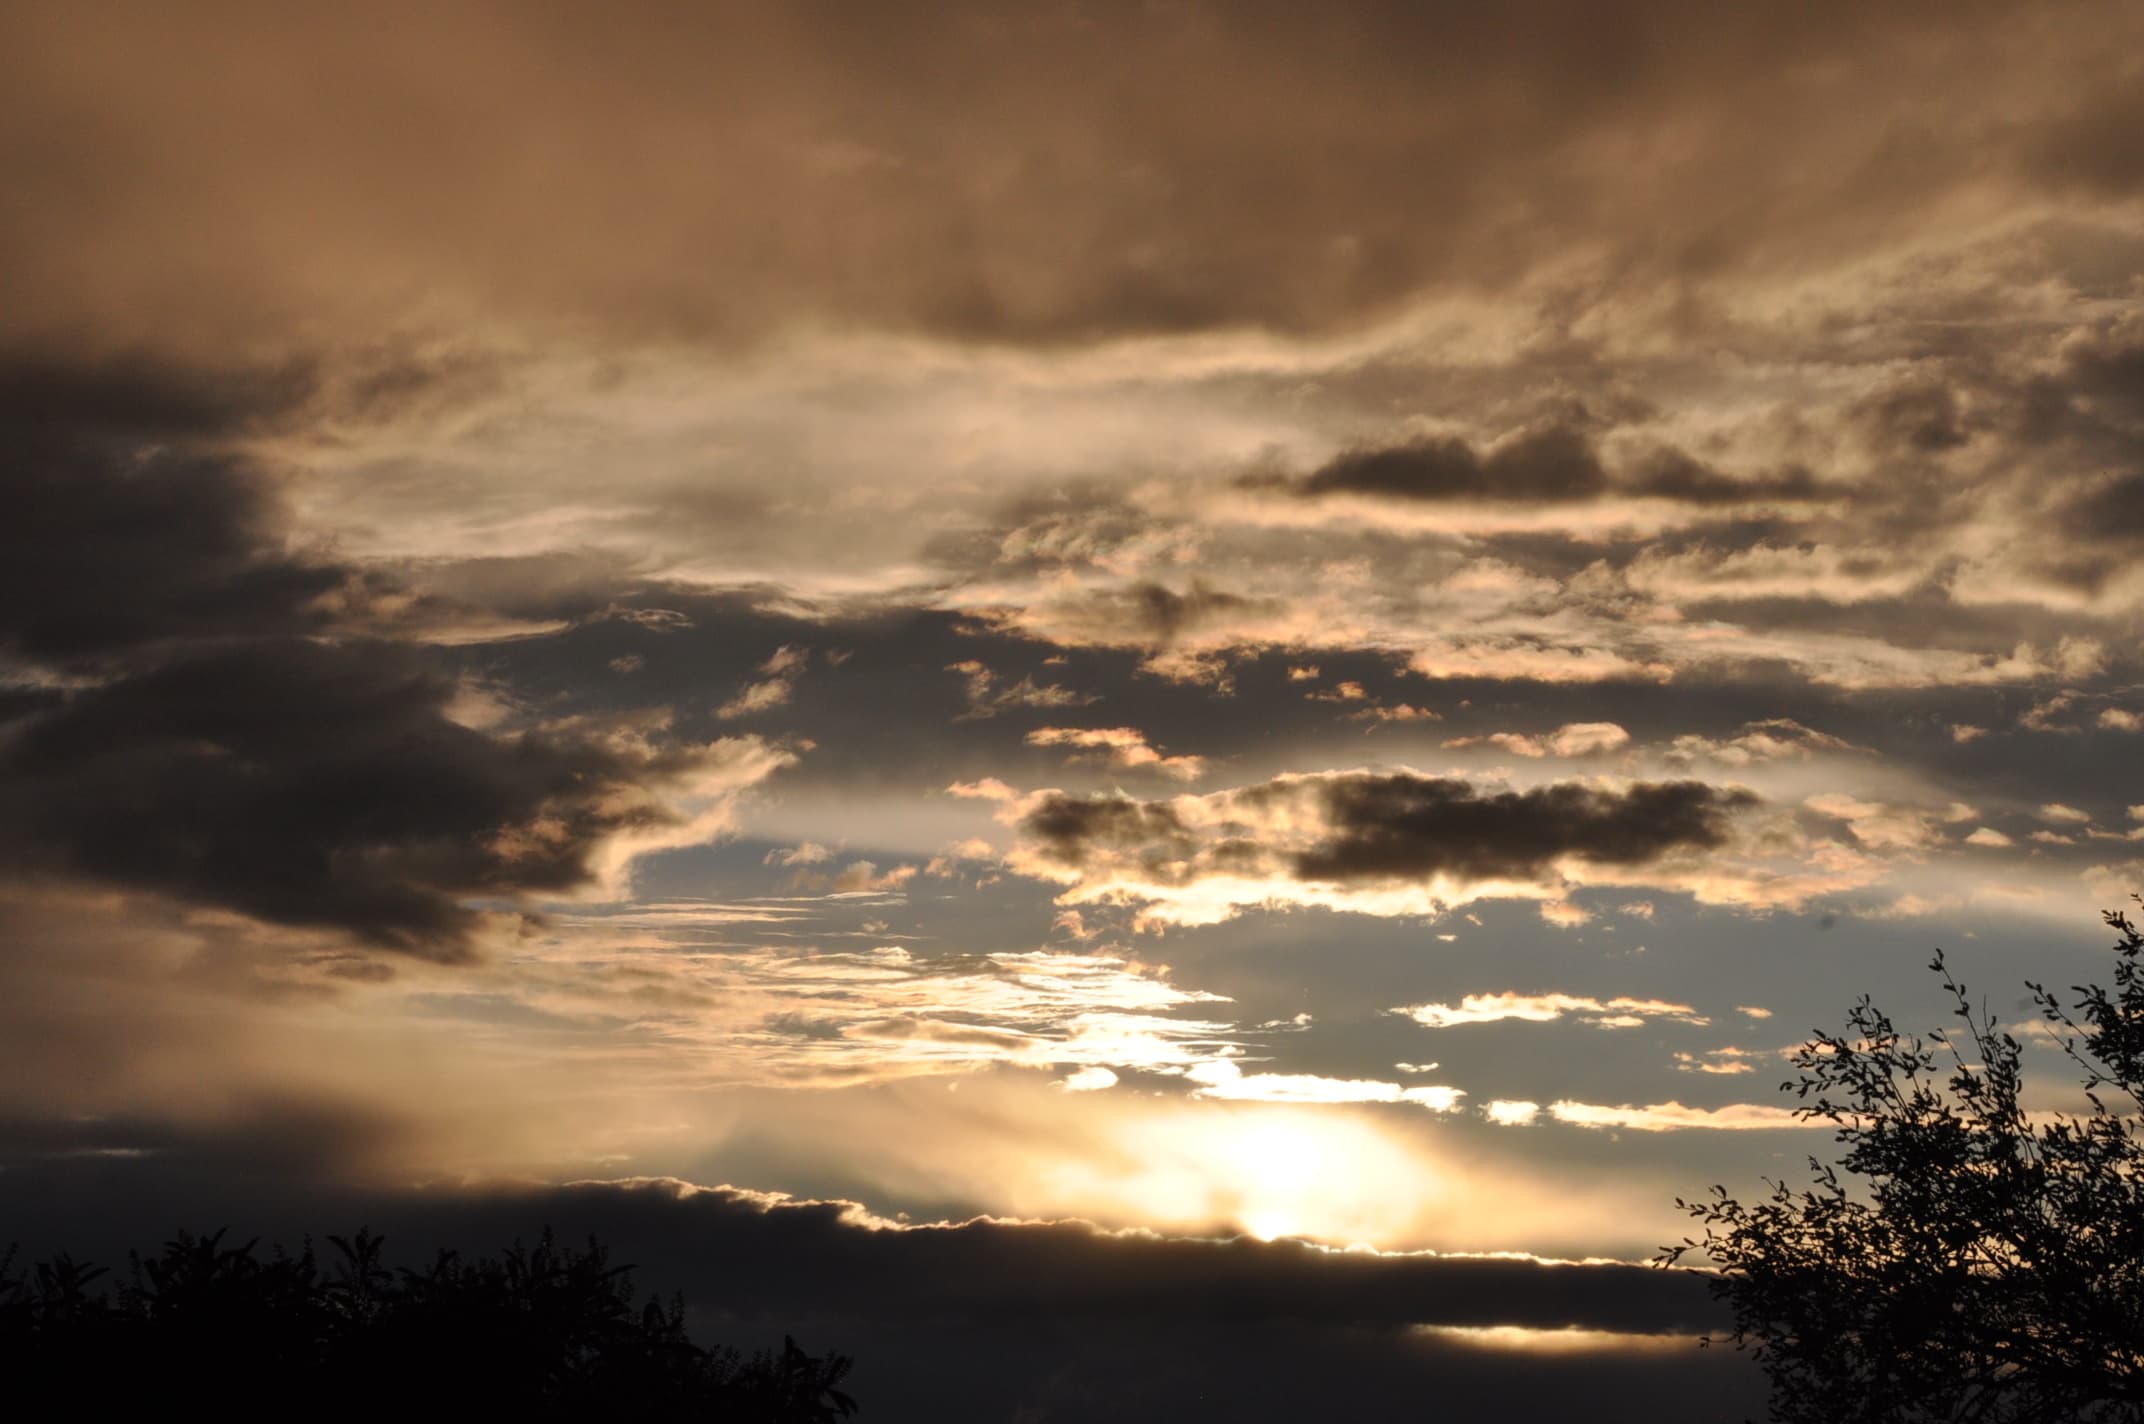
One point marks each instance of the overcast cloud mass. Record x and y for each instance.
(887, 649)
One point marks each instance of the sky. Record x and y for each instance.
(1137, 708)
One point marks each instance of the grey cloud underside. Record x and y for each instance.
(312, 784)
(890, 717)
(1401, 826)
(962, 171)
(1554, 464)
(128, 524)
(218, 733)
(1977, 493)
(974, 1320)
(1551, 465)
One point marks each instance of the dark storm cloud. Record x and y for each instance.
(137, 399)
(1553, 464)
(1354, 827)
(1384, 827)
(2112, 508)
(1921, 418)
(986, 1269)
(2106, 370)
(221, 742)
(1557, 464)
(1671, 474)
(2091, 395)
(313, 783)
(127, 524)
(1069, 827)
(1161, 614)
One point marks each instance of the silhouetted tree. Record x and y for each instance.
(549, 1330)
(1965, 1259)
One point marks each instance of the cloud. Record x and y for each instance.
(858, 877)
(986, 699)
(1621, 1012)
(1573, 739)
(1400, 712)
(1774, 739)
(132, 524)
(1378, 843)
(310, 783)
(739, 1249)
(782, 671)
(238, 735)
(1402, 825)
(1725, 1061)
(806, 1018)
(830, 136)
(1674, 1117)
(1275, 1326)
(1225, 1079)
(863, 877)
(1124, 747)
(1552, 464)
(1881, 826)
(949, 860)
(987, 789)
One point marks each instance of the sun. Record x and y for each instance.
(1285, 1167)
(1273, 1171)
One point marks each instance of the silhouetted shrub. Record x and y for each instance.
(548, 1330)
(1964, 1259)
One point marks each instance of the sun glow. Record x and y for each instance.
(1564, 1341)
(1280, 1171)
(1287, 1166)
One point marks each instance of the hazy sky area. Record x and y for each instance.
(954, 668)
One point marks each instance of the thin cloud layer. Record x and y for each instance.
(1296, 171)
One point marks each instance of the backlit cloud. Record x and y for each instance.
(1397, 843)
(1546, 1008)
(1124, 747)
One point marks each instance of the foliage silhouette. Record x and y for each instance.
(551, 1331)
(1975, 1261)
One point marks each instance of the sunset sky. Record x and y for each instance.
(1152, 623)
